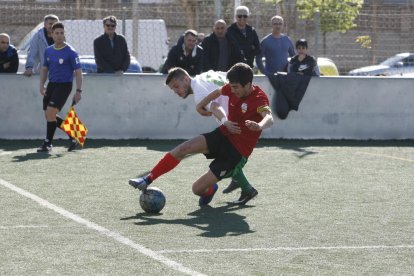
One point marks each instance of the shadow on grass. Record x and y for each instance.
(35, 156)
(213, 222)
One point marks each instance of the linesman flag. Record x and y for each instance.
(74, 127)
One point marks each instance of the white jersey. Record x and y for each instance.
(205, 83)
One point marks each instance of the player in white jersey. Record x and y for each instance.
(202, 85)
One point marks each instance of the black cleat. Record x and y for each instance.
(232, 186)
(246, 197)
(73, 145)
(45, 147)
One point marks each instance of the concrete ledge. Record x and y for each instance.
(141, 106)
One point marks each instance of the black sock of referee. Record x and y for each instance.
(59, 121)
(50, 131)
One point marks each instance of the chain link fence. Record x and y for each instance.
(383, 27)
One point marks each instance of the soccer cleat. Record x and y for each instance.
(45, 147)
(204, 200)
(232, 186)
(73, 145)
(246, 197)
(140, 183)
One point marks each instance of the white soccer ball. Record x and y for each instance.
(152, 200)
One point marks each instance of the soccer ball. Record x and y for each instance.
(152, 200)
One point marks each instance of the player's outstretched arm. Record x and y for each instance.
(201, 105)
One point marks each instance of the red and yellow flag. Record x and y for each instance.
(74, 127)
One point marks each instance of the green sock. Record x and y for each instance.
(240, 178)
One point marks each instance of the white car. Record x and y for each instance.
(398, 65)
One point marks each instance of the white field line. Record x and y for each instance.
(22, 226)
(309, 248)
(101, 230)
(386, 156)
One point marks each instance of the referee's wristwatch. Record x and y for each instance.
(79, 90)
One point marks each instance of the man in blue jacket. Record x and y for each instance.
(38, 44)
(9, 59)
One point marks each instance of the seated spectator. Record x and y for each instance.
(245, 35)
(276, 47)
(188, 55)
(302, 63)
(111, 49)
(9, 59)
(221, 51)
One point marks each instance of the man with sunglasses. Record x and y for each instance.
(9, 59)
(111, 49)
(245, 35)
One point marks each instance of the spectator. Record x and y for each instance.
(245, 35)
(275, 47)
(221, 51)
(302, 63)
(188, 55)
(111, 49)
(38, 44)
(9, 59)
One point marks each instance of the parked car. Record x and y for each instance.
(88, 64)
(400, 64)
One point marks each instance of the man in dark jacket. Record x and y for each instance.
(111, 50)
(9, 60)
(245, 35)
(187, 55)
(221, 51)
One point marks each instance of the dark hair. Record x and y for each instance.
(111, 18)
(57, 25)
(240, 73)
(175, 73)
(302, 42)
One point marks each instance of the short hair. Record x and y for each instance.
(176, 73)
(302, 42)
(277, 17)
(240, 73)
(111, 18)
(192, 32)
(5, 35)
(57, 25)
(242, 10)
(51, 16)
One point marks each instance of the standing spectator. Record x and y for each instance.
(111, 49)
(188, 55)
(303, 63)
(39, 42)
(245, 35)
(60, 64)
(220, 49)
(275, 47)
(9, 59)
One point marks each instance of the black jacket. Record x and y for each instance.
(249, 44)
(211, 49)
(9, 56)
(192, 63)
(108, 59)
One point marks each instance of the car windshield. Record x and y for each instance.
(392, 60)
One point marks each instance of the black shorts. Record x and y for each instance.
(227, 160)
(56, 94)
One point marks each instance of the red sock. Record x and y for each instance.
(210, 191)
(166, 164)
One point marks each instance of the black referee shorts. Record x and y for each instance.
(56, 94)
